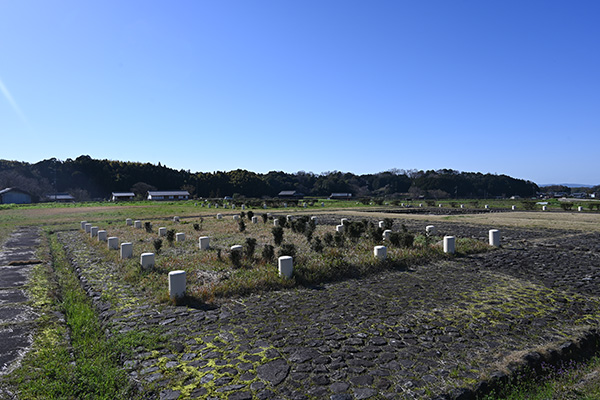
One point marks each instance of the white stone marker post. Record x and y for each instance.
(486, 206)
(314, 219)
(322, 204)
(430, 230)
(180, 237)
(113, 243)
(544, 208)
(175, 219)
(276, 222)
(236, 217)
(137, 224)
(176, 284)
(147, 260)
(255, 220)
(386, 234)
(286, 266)
(494, 237)
(83, 224)
(380, 252)
(102, 236)
(128, 222)
(579, 208)
(289, 218)
(339, 228)
(203, 242)
(236, 247)
(93, 231)
(88, 227)
(381, 224)
(162, 231)
(449, 244)
(126, 250)
(219, 216)
(344, 220)
(513, 208)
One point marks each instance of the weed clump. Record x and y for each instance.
(157, 243)
(287, 249)
(171, 236)
(277, 232)
(268, 252)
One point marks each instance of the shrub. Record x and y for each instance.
(528, 205)
(268, 252)
(249, 247)
(241, 225)
(310, 230)
(170, 236)
(453, 204)
(388, 223)
(338, 239)
(242, 215)
(236, 258)
(148, 227)
(402, 239)
(277, 232)
(317, 245)
(328, 239)
(355, 230)
(196, 226)
(265, 218)
(287, 249)
(298, 226)
(430, 203)
(375, 233)
(566, 206)
(250, 215)
(219, 254)
(282, 221)
(157, 245)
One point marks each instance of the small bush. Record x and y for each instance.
(355, 230)
(402, 239)
(566, 206)
(317, 245)
(268, 252)
(250, 215)
(310, 230)
(282, 221)
(157, 245)
(287, 249)
(236, 258)
(528, 205)
(249, 247)
(171, 236)
(430, 203)
(375, 233)
(242, 215)
(388, 223)
(277, 232)
(148, 227)
(298, 226)
(328, 239)
(241, 225)
(265, 218)
(339, 239)
(219, 254)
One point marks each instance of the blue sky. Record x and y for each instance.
(507, 87)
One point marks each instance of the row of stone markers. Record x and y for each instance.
(177, 279)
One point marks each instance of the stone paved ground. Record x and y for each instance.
(409, 334)
(17, 318)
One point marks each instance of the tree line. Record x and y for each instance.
(86, 178)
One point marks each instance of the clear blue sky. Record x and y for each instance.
(508, 87)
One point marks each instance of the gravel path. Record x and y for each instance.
(428, 332)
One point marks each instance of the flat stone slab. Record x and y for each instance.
(14, 276)
(12, 296)
(14, 341)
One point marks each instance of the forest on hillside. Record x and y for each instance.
(86, 178)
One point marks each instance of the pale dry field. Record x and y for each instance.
(580, 221)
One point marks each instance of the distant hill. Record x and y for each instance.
(87, 178)
(571, 185)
